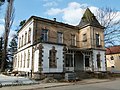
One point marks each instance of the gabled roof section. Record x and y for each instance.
(49, 21)
(113, 50)
(89, 19)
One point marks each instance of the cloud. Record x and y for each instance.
(71, 14)
(54, 11)
(49, 4)
(74, 12)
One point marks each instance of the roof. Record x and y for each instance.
(49, 21)
(113, 50)
(89, 19)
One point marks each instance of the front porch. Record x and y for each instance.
(78, 60)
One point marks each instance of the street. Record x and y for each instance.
(104, 85)
(113, 85)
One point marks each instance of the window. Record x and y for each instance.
(73, 40)
(112, 66)
(97, 40)
(25, 37)
(84, 37)
(21, 60)
(69, 60)
(44, 35)
(98, 61)
(87, 61)
(22, 40)
(28, 60)
(29, 35)
(19, 42)
(112, 58)
(59, 37)
(24, 59)
(18, 61)
(52, 58)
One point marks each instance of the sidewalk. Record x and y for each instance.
(49, 85)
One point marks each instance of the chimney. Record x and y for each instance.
(54, 19)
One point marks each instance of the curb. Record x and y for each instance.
(79, 83)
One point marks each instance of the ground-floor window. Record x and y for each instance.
(87, 64)
(52, 58)
(69, 60)
(98, 61)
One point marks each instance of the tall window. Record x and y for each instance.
(24, 59)
(97, 40)
(22, 40)
(21, 60)
(69, 60)
(18, 60)
(29, 35)
(73, 40)
(87, 61)
(98, 61)
(25, 37)
(19, 42)
(52, 58)
(59, 37)
(28, 60)
(44, 35)
(84, 37)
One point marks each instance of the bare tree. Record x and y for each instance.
(9, 17)
(110, 19)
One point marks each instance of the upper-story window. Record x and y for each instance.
(44, 35)
(97, 40)
(59, 37)
(73, 40)
(22, 40)
(112, 58)
(84, 37)
(19, 42)
(25, 38)
(29, 35)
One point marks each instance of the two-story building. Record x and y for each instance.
(51, 47)
(113, 59)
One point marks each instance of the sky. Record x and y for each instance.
(66, 11)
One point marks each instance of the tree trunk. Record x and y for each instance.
(9, 17)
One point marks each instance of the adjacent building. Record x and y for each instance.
(113, 59)
(51, 47)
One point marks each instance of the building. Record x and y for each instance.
(113, 59)
(50, 47)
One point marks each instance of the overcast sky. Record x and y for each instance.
(67, 11)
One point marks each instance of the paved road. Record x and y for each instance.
(113, 85)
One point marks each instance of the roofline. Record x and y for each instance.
(49, 21)
(81, 27)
